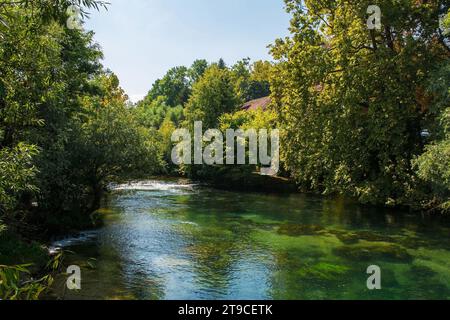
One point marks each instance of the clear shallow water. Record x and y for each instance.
(164, 240)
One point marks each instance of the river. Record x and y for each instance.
(171, 240)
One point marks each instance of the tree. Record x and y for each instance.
(221, 64)
(152, 114)
(261, 71)
(165, 132)
(434, 165)
(44, 11)
(212, 96)
(251, 81)
(71, 83)
(197, 70)
(174, 86)
(57, 100)
(111, 147)
(66, 132)
(351, 100)
(177, 84)
(17, 173)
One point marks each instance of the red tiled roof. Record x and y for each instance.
(261, 103)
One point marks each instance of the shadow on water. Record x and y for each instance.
(166, 240)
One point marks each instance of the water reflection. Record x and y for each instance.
(166, 240)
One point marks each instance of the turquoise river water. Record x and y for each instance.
(173, 240)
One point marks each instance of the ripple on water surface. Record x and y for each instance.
(171, 240)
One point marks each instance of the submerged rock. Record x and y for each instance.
(374, 252)
(297, 230)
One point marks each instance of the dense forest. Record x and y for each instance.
(363, 113)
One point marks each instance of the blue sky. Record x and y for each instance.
(142, 39)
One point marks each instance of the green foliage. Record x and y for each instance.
(251, 119)
(211, 89)
(352, 101)
(251, 81)
(434, 165)
(21, 264)
(13, 287)
(129, 150)
(66, 132)
(152, 114)
(445, 24)
(165, 134)
(247, 120)
(20, 282)
(212, 96)
(58, 99)
(105, 143)
(221, 64)
(174, 86)
(16, 174)
(234, 175)
(44, 11)
(162, 120)
(16, 251)
(197, 70)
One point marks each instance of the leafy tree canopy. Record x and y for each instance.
(352, 101)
